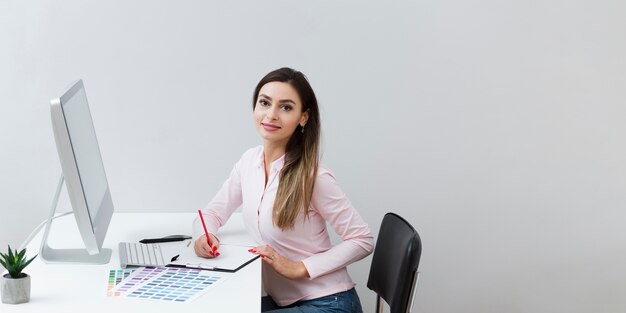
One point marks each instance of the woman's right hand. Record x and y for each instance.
(203, 249)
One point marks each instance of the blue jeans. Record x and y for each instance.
(346, 301)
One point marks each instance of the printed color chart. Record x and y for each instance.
(166, 284)
(115, 277)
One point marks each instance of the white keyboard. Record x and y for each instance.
(139, 254)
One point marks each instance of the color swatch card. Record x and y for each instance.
(167, 284)
(116, 277)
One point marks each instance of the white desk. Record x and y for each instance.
(82, 288)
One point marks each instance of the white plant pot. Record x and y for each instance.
(15, 290)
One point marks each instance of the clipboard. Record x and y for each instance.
(232, 258)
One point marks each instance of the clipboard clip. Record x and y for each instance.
(200, 266)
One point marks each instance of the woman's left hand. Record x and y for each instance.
(282, 265)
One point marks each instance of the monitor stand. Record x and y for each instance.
(76, 256)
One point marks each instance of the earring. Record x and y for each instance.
(302, 130)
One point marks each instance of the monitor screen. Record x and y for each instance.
(82, 136)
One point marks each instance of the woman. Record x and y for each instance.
(287, 199)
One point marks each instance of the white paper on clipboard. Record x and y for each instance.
(231, 259)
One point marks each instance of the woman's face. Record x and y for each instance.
(277, 112)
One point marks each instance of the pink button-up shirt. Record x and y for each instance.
(308, 241)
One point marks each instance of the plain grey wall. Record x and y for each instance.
(495, 127)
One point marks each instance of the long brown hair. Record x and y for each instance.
(297, 177)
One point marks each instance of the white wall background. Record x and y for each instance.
(495, 127)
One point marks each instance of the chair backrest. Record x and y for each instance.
(395, 261)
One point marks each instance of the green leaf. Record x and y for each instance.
(20, 256)
(28, 262)
(4, 264)
(10, 253)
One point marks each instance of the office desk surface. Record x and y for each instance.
(82, 288)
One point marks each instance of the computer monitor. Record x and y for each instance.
(84, 177)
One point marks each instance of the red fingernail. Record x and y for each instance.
(214, 248)
(217, 254)
(262, 256)
(250, 250)
(210, 253)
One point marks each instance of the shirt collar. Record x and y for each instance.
(277, 164)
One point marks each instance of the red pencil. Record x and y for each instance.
(208, 238)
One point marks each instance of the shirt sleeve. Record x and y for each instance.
(333, 205)
(222, 206)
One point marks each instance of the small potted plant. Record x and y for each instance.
(15, 285)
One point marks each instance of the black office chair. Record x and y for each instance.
(393, 273)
